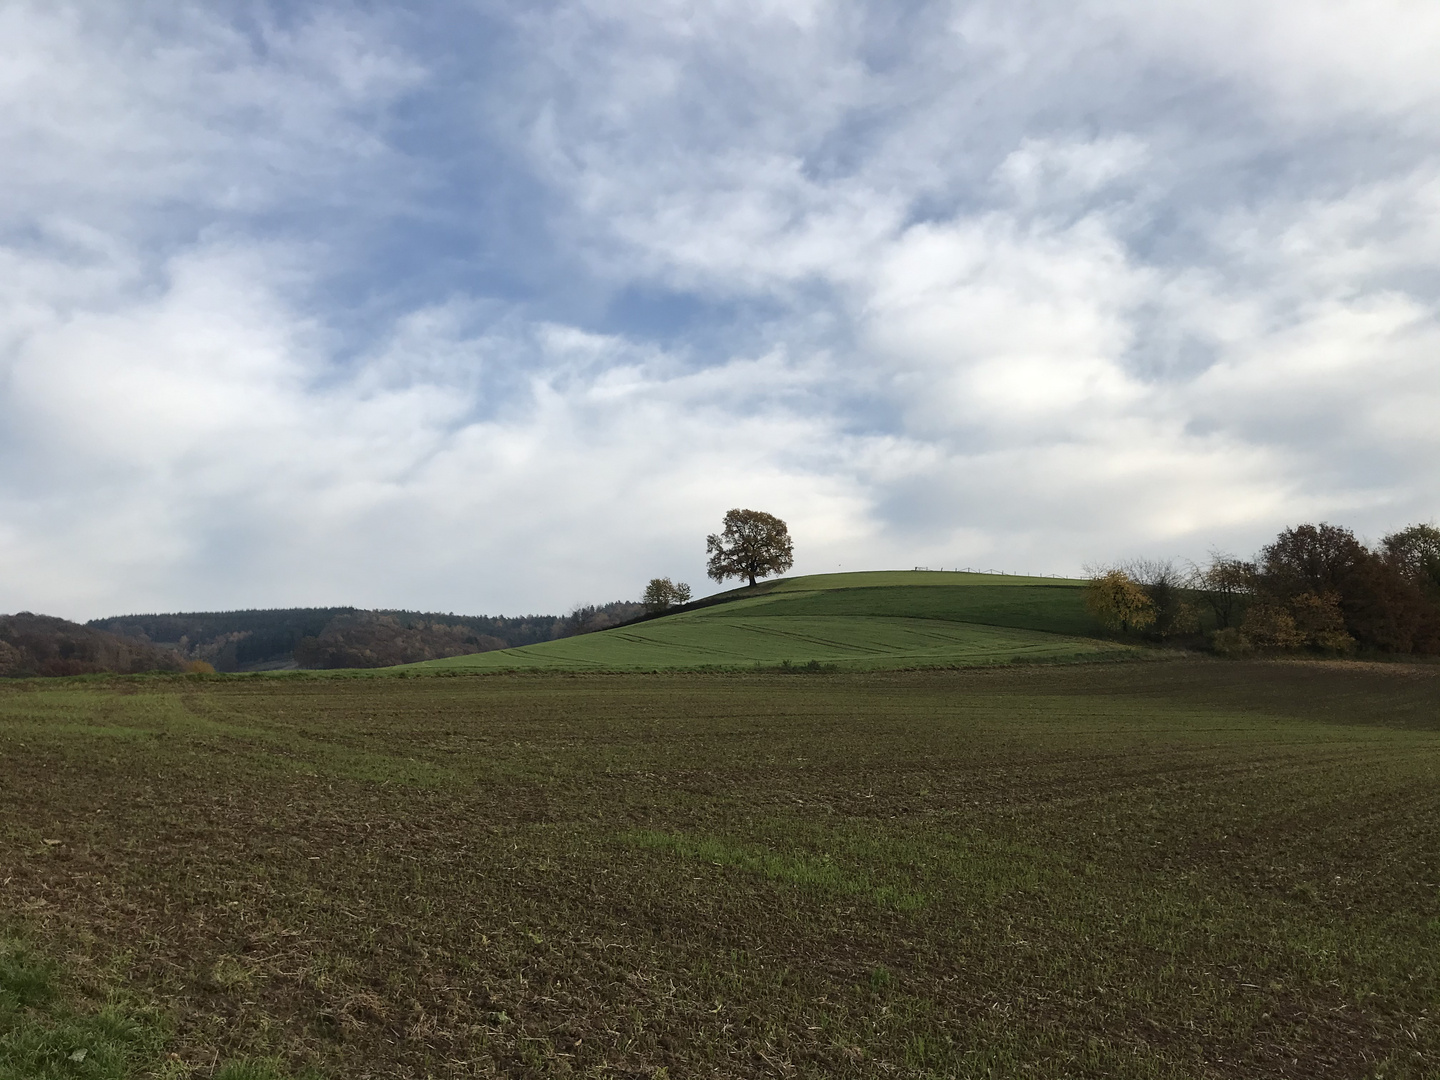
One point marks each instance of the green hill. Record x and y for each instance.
(884, 619)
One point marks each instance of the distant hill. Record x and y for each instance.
(42, 645)
(855, 621)
(342, 637)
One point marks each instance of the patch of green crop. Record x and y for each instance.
(1057, 608)
(903, 871)
(866, 621)
(43, 1035)
(49, 1030)
(707, 640)
(814, 872)
(259, 1069)
(26, 981)
(870, 579)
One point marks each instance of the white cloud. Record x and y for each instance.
(1006, 329)
(1018, 284)
(1309, 61)
(208, 457)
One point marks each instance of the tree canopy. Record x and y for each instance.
(1316, 586)
(662, 594)
(752, 545)
(1415, 553)
(1119, 602)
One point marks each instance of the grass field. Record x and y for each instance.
(863, 621)
(1185, 869)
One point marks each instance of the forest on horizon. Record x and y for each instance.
(348, 637)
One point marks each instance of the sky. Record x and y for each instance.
(498, 307)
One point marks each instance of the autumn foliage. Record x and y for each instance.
(1119, 602)
(752, 545)
(1315, 587)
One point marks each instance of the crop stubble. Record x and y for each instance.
(1179, 869)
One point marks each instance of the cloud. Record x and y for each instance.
(207, 453)
(488, 311)
(1314, 63)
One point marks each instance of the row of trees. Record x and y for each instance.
(1315, 586)
(331, 637)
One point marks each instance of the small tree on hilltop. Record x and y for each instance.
(753, 545)
(1119, 603)
(662, 593)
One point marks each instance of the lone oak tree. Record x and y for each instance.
(753, 545)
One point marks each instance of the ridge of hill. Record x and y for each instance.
(862, 620)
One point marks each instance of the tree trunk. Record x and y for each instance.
(752, 579)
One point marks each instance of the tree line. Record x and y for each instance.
(43, 645)
(346, 636)
(1315, 587)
